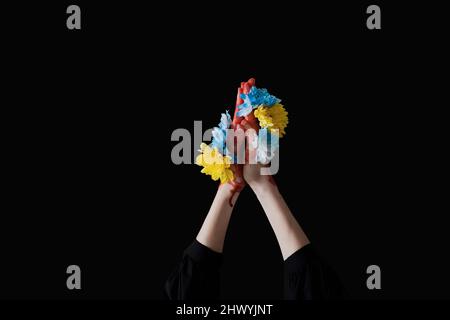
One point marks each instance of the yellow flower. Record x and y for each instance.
(215, 164)
(274, 117)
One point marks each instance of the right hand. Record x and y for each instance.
(251, 171)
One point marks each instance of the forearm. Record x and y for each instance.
(214, 228)
(289, 234)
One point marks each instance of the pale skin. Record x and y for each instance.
(214, 228)
(289, 234)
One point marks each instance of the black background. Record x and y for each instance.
(87, 127)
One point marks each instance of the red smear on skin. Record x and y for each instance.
(272, 180)
(245, 88)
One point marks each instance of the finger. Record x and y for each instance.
(239, 144)
(246, 88)
(252, 144)
(244, 124)
(239, 101)
(251, 120)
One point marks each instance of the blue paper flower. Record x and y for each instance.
(255, 98)
(219, 134)
(225, 121)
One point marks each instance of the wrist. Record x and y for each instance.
(228, 192)
(262, 185)
(225, 187)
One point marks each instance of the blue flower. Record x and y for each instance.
(225, 121)
(255, 98)
(219, 134)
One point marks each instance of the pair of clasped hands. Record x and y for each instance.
(288, 232)
(247, 172)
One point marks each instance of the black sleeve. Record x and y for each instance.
(197, 275)
(307, 277)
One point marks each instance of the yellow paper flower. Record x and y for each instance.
(274, 117)
(215, 164)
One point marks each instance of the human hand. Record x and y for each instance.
(239, 183)
(252, 169)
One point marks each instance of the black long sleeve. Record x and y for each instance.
(197, 275)
(306, 276)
